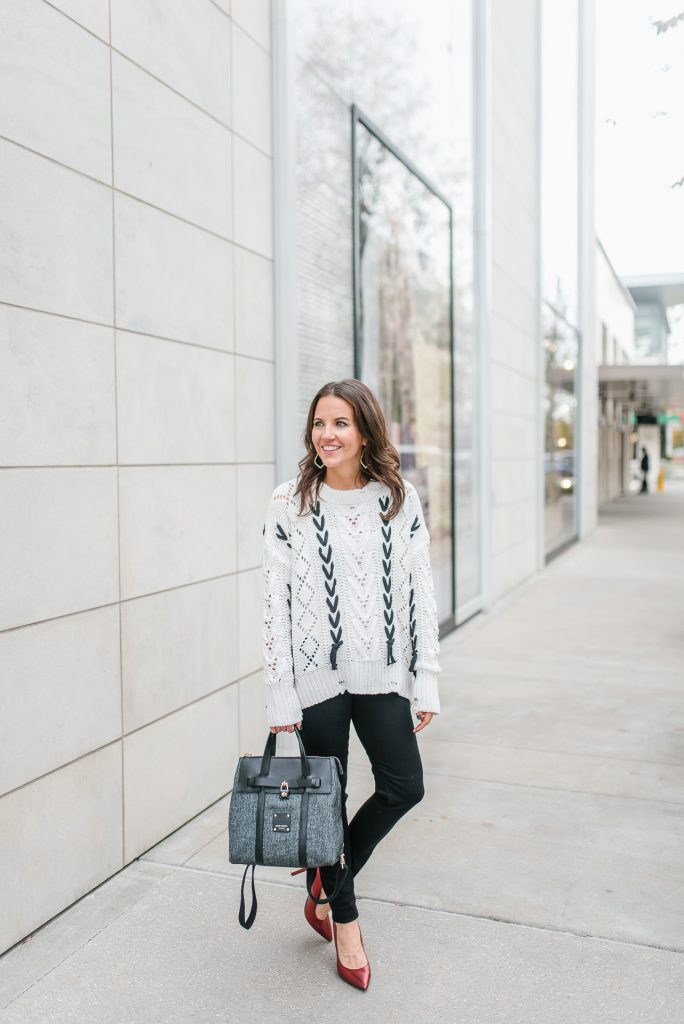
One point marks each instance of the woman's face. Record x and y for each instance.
(334, 428)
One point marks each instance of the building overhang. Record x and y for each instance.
(664, 289)
(654, 388)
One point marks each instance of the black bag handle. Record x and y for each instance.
(311, 875)
(270, 749)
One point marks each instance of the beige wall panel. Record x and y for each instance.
(253, 226)
(168, 152)
(250, 590)
(251, 90)
(254, 16)
(514, 342)
(58, 542)
(61, 838)
(175, 401)
(254, 728)
(177, 766)
(172, 279)
(255, 485)
(55, 87)
(185, 43)
(177, 646)
(253, 305)
(56, 227)
(61, 693)
(177, 526)
(255, 410)
(92, 14)
(56, 390)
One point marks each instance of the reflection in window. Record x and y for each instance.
(560, 177)
(650, 332)
(560, 407)
(404, 330)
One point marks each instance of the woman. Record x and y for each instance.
(350, 629)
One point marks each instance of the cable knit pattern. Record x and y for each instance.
(332, 599)
(349, 600)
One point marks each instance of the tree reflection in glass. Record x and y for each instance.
(405, 330)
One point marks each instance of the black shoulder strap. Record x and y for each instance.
(249, 921)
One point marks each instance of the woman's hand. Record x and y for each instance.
(425, 719)
(285, 728)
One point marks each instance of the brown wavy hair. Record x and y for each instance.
(379, 454)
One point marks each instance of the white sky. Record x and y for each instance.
(640, 136)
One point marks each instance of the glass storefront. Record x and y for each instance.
(410, 71)
(560, 278)
(404, 332)
(561, 347)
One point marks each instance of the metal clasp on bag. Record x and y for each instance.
(284, 790)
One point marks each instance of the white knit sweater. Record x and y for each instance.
(349, 601)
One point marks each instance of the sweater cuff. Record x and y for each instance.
(426, 694)
(283, 706)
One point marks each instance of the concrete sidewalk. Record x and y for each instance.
(540, 880)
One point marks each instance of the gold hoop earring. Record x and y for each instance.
(363, 464)
(316, 464)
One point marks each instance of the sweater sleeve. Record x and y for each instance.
(283, 706)
(424, 617)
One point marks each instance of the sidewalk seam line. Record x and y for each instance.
(441, 910)
(565, 753)
(548, 789)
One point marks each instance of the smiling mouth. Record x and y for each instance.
(331, 449)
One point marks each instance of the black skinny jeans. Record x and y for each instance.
(384, 725)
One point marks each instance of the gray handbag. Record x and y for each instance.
(286, 812)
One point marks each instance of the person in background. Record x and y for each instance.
(645, 466)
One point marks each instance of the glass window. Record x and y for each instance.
(560, 406)
(560, 192)
(404, 344)
(649, 332)
(410, 68)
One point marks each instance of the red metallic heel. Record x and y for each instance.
(322, 926)
(357, 976)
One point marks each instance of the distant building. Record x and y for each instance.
(654, 295)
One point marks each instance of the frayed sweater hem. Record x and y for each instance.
(361, 678)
